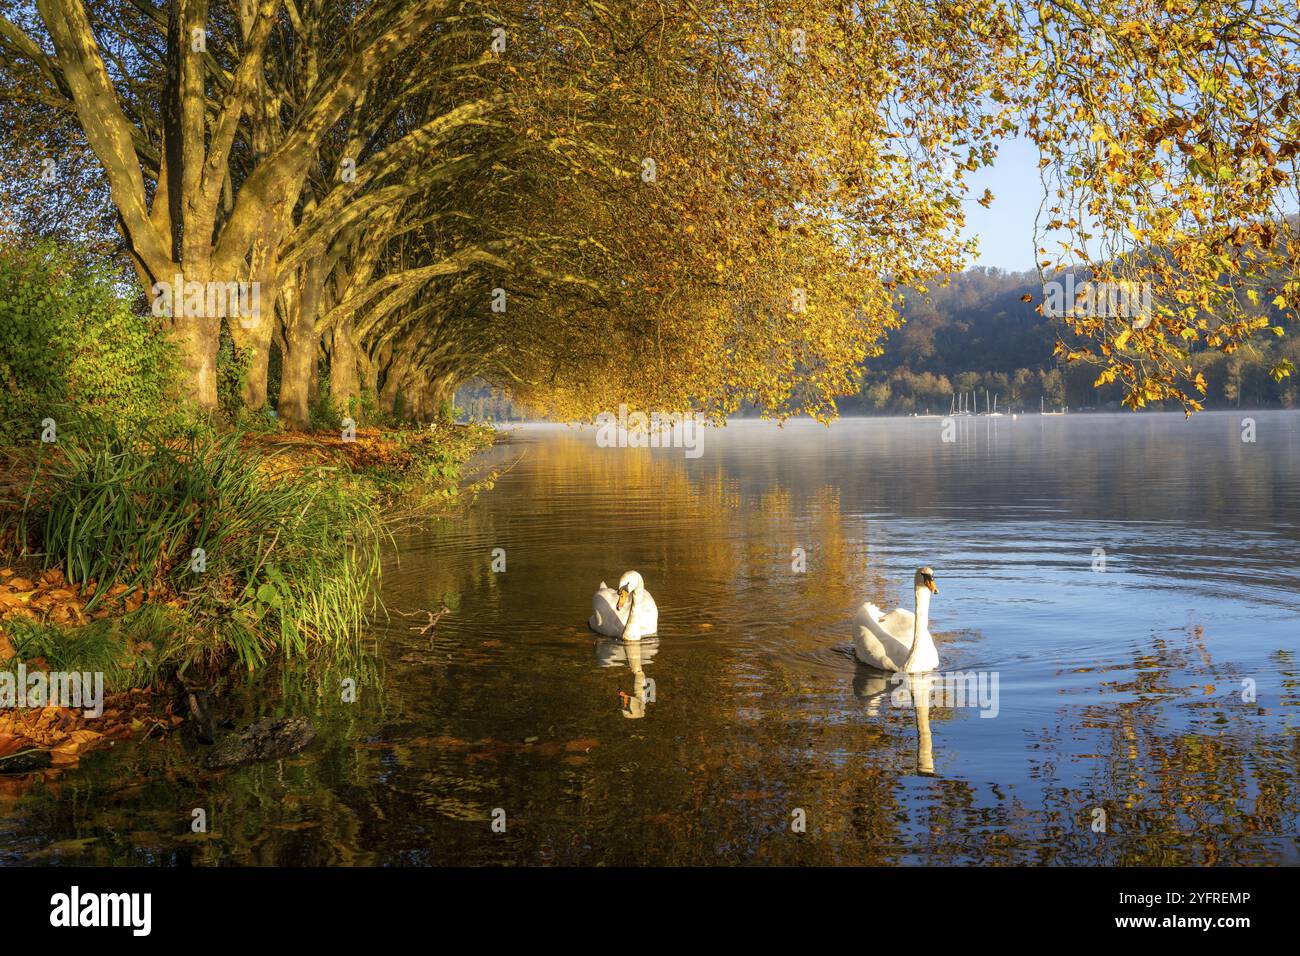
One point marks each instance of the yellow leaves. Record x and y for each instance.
(1122, 338)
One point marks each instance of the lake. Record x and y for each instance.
(1118, 620)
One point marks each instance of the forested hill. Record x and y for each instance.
(976, 333)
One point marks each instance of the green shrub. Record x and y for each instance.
(267, 557)
(71, 344)
(448, 412)
(325, 414)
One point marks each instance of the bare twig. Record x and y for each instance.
(433, 619)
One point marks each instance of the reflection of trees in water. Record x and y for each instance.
(133, 804)
(756, 715)
(744, 737)
(750, 731)
(1183, 771)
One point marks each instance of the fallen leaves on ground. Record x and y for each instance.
(48, 598)
(67, 733)
(52, 599)
(371, 449)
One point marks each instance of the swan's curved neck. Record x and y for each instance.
(921, 623)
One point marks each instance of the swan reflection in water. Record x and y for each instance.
(901, 690)
(635, 654)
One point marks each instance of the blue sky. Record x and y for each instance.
(1005, 230)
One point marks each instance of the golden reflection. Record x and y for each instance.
(759, 706)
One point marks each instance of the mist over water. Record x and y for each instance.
(1118, 689)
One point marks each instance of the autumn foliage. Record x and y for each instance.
(674, 205)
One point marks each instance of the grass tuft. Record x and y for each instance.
(262, 559)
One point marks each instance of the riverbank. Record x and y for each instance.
(158, 564)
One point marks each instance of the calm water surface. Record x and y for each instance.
(1125, 691)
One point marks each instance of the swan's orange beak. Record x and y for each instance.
(929, 583)
(622, 598)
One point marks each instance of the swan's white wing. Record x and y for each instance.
(605, 617)
(899, 622)
(875, 637)
(647, 614)
(644, 620)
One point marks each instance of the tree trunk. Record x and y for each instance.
(258, 340)
(296, 374)
(442, 391)
(197, 340)
(302, 342)
(313, 382)
(345, 383)
(414, 399)
(393, 381)
(429, 400)
(299, 365)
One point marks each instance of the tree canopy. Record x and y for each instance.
(678, 205)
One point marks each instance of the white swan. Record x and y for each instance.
(899, 640)
(629, 613)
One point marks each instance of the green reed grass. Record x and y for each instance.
(269, 558)
(130, 651)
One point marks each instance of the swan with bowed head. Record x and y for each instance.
(899, 641)
(629, 612)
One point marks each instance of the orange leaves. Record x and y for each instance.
(52, 599)
(49, 598)
(67, 733)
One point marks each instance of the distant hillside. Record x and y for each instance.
(975, 334)
(479, 401)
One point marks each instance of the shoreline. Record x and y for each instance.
(137, 640)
